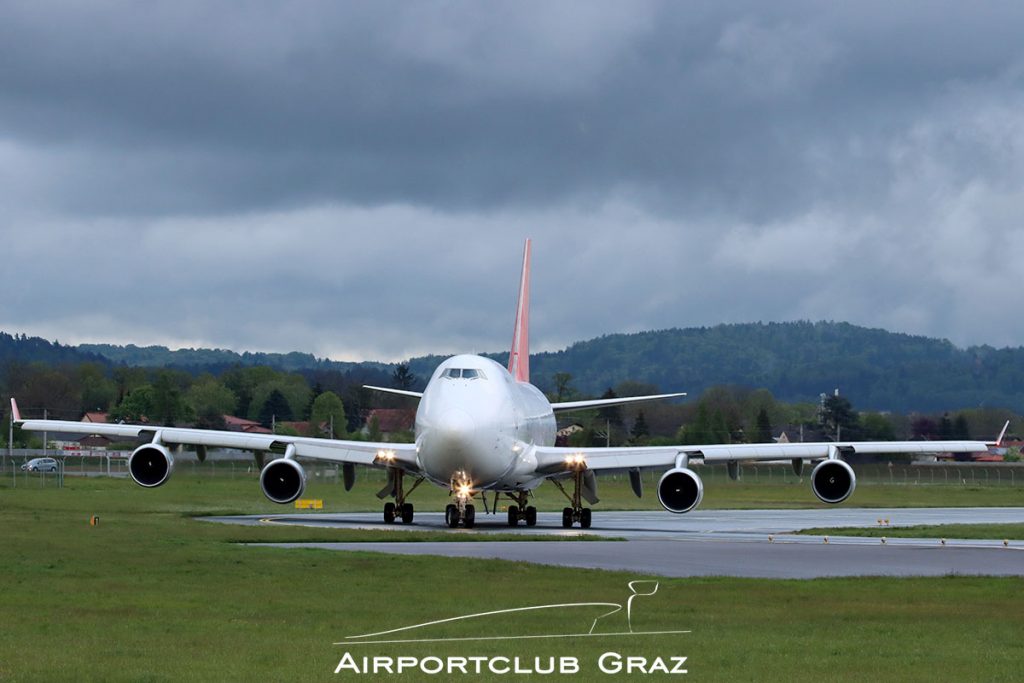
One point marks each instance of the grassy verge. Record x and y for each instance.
(151, 594)
(976, 531)
(225, 494)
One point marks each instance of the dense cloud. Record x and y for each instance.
(356, 179)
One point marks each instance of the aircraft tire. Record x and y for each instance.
(566, 518)
(470, 518)
(585, 518)
(407, 513)
(531, 516)
(451, 516)
(513, 515)
(389, 513)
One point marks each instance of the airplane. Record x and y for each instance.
(483, 427)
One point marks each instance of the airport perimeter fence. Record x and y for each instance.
(240, 465)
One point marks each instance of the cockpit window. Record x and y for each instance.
(464, 373)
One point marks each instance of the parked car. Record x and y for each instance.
(40, 465)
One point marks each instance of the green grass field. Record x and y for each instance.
(151, 594)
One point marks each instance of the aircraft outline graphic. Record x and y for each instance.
(481, 426)
(358, 639)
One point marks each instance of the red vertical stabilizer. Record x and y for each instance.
(519, 357)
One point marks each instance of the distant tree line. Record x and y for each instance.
(736, 414)
(721, 414)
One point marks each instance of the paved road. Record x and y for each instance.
(752, 543)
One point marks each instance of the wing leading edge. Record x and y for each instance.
(553, 460)
(331, 450)
(604, 402)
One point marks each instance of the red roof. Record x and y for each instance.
(94, 417)
(392, 419)
(255, 429)
(238, 422)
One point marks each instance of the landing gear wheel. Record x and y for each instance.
(513, 515)
(407, 513)
(566, 518)
(451, 516)
(531, 516)
(585, 518)
(470, 517)
(389, 513)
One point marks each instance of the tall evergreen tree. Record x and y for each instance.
(961, 432)
(403, 378)
(945, 428)
(640, 430)
(610, 414)
(276, 407)
(763, 427)
(838, 416)
(313, 393)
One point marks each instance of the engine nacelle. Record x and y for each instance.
(680, 490)
(833, 481)
(283, 480)
(150, 465)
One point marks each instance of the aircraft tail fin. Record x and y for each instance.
(999, 441)
(519, 356)
(15, 413)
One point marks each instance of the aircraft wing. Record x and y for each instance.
(400, 392)
(332, 450)
(603, 402)
(555, 459)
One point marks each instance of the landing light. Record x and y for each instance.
(576, 461)
(386, 455)
(464, 490)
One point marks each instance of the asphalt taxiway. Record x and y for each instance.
(747, 543)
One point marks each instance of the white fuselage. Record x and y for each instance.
(479, 427)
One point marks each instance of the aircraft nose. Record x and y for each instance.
(456, 427)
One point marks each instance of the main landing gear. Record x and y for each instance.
(521, 511)
(576, 513)
(395, 487)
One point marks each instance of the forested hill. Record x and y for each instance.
(21, 348)
(214, 360)
(875, 369)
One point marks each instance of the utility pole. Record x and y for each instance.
(10, 451)
(44, 432)
(332, 425)
(10, 438)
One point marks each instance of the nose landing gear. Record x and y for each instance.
(462, 510)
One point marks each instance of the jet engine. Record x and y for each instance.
(833, 481)
(680, 490)
(150, 465)
(283, 480)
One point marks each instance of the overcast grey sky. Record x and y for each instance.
(357, 179)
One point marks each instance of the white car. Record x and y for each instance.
(40, 465)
